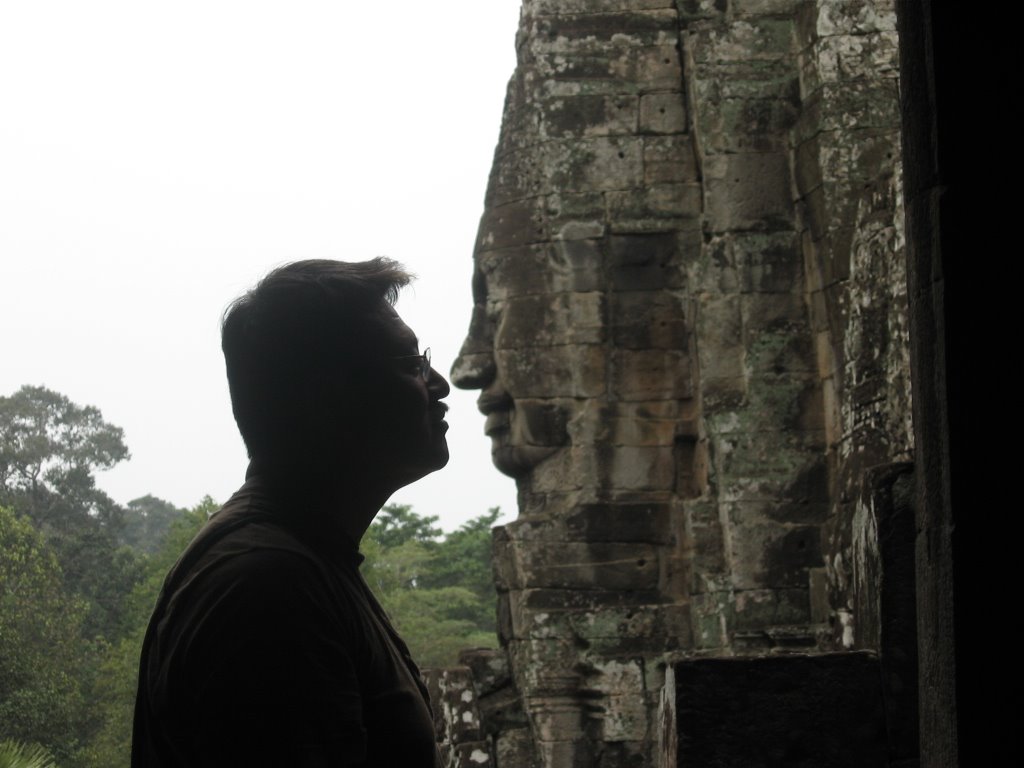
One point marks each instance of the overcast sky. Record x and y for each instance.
(156, 158)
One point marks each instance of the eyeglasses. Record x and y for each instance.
(424, 362)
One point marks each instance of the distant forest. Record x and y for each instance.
(79, 575)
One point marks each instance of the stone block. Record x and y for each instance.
(713, 272)
(543, 320)
(669, 159)
(720, 347)
(488, 667)
(637, 425)
(755, 8)
(759, 609)
(565, 472)
(610, 29)
(700, 10)
(723, 393)
(821, 610)
(663, 113)
(502, 711)
(759, 465)
(515, 749)
(791, 402)
(753, 122)
(579, 264)
(851, 58)
(590, 115)
(644, 262)
(620, 522)
(748, 192)
(651, 374)
(542, 422)
(745, 41)
(639, 468)
(522, 271)
(691, 466)
(598, 163)
(853, 19)
(582, 74)
(571, 753)
(660, 207)
(647, 320)
(545, 667)
(705, 541)
(502, 554)
(784, 349)
(652, 68)
(749, 508)
(625, 754)
(560, 7)
(712, 619)
(476, 754)
(593, 600)
(771, 555)
(515, 175)
(515, 224)
(622, 718)
(636, 630)
(597, 565)
(768, 262)
(860, 104)
(562, 371)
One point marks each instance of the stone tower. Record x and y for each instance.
(690, 334)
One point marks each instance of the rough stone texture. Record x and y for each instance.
(690, 333)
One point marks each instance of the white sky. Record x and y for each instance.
(156, 158)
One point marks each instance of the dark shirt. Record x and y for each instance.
(266, 648)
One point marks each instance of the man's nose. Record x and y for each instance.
(438, 385)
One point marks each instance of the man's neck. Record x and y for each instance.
(344, 500)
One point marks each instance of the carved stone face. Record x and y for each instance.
(514, 354)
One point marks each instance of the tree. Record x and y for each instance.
(51, 446)
(463, 559)
(43, 654)
(437, 591)
(113, 694)
(396, 524)
(146, 522)
(50, 449)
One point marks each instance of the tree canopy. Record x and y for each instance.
(438, 589)
(80, 574)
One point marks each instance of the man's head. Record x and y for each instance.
(322, 369)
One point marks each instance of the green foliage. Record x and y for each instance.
(146, 522)
(49, 449)
(44, 656)
(15, 754)
(113, 695)
(396, 524)
(48, 443)
(438, 591)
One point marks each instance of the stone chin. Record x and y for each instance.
(517, 460)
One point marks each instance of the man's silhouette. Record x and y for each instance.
(266, 647)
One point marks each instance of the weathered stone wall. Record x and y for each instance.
(690, 338)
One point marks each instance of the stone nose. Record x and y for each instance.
(474, 367)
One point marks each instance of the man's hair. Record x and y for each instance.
(300, 332)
